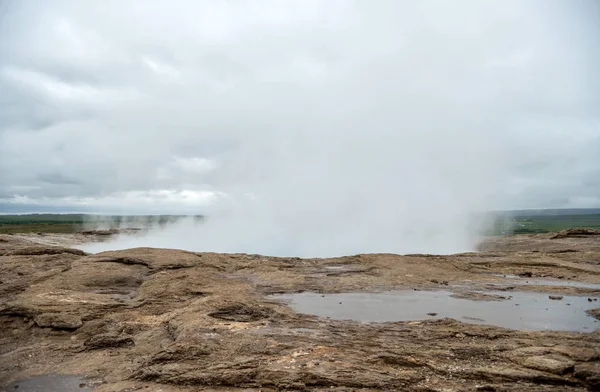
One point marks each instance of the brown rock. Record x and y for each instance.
(58, 321)
(576, 232)
(107, 340)
(590, 372)
(206, 322)
(554, 365)
(594, 313)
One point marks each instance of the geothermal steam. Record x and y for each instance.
(334, 128)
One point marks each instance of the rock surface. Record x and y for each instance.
(58, 321)
(171, 320)
(576, 232)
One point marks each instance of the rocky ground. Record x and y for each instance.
(171, 320)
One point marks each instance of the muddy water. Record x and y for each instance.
(523, 310)
(50, 383)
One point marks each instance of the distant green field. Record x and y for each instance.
(69, 223)
(544, 223)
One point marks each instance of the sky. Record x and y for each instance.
(311, 119)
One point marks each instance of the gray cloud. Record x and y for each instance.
(332, 125)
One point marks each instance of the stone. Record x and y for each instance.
(107, 340)
(58, 321)
(590, 372)
(554, 364)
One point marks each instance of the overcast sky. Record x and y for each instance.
(302, 110)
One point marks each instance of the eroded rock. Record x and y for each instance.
(576, 232)
(241, 312)
(58, 321)
(108, 340)
(590, 372)
(555, 365)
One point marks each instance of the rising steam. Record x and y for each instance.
(335, 128)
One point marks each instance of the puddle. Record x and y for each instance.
(526, 311)
(50, 383)
(518, 280)
(338, 267)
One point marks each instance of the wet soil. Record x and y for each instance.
(171, 320)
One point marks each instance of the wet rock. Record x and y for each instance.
(58, 321)
(595, 313)
(555, 365)
(555, 297)
(107, 232)
(503, 288)
(477, 296)
(107, 340)
(473, 318)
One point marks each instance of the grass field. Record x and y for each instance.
(70, 223)
(506, 223)
(522, 224)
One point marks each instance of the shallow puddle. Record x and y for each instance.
(50, 383)
(523, 310)
(337, 267)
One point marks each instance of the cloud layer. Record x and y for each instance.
(302, 127)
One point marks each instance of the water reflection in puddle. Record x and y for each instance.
(50, 383)
(527, 311)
